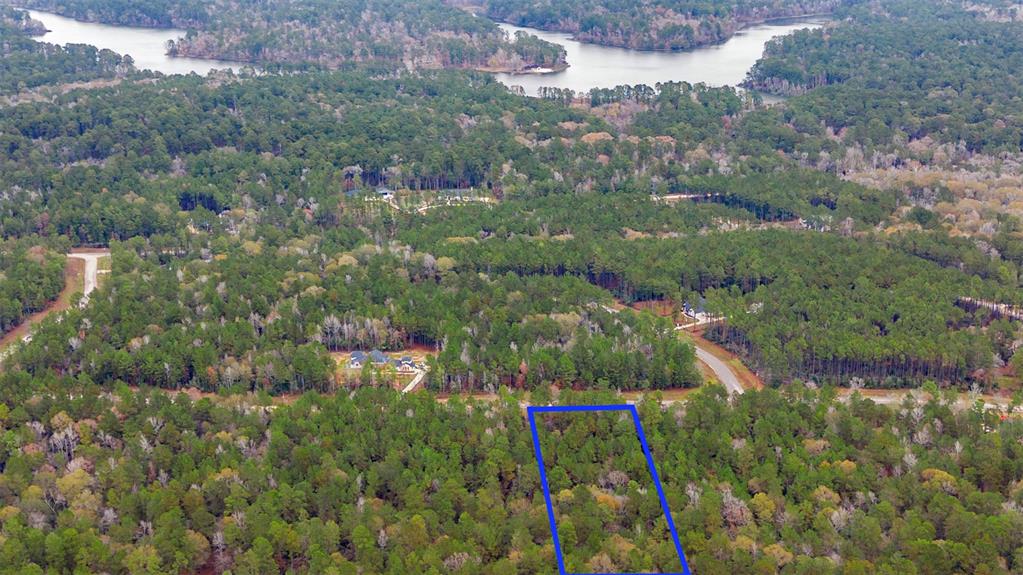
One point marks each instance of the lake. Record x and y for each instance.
(593, 66)
(590, 65)
(147, 46)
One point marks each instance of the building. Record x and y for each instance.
(695, 308)
(360, 358)
(405, 365)
(357, 360)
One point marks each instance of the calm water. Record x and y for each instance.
(593, 66)
(147, 46)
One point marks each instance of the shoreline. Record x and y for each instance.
(533, 71)
(776, 20)
(174, 51)
(19, 6)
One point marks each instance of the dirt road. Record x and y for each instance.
(86, 272)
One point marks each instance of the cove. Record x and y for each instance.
(147, 46)
(593, 66)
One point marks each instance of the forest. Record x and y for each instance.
(797, 304)
(416, 34)
(20, 21)
(213, 324)
(650, 24)
(597, 472)
(26, 64)
(434, 131)
(195, 181)
(911, 98)
(910, 72)
(147, 482)
(314, 31)
(196, 415)
(31, 276)
(148, 13)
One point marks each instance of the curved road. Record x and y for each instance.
(721, 370)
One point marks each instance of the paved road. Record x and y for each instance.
(420, 374)
(91, 260)
(721, 370)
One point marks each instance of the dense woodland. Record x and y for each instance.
(20, 21)
(31, 276)
(913, 98)
(907, 72)
(650, 24)
(201, 180)
(26, 64)
(421, 34)
(142, 482)
(148, 13)
(430, 33)
(414, 34)
(195, 416)
(797, 304)
(216, 324)
(602, 492)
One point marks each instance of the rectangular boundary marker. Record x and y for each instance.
(532, 410)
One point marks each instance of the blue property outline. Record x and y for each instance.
(531, 411)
